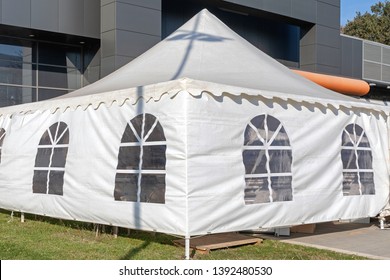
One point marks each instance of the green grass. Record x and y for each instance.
(42, 238)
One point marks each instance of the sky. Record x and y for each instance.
(350, 7)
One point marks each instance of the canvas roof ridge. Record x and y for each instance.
(195, 88)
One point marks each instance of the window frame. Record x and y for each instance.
(356, 147)
(54, 146)
(139, 171)
(266, 147)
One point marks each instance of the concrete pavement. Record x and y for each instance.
(366, 240)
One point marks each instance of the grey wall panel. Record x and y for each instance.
(351, 57)
(108, 17)
(308, 55)
(134, 44)
(91, 18)
(107, 66)
(357, 50)
(331, 2)
(108, 43)
(282, 7)
(105, 2)
(304, 10)
(71, 17)
(328, 15)
(16, 12)
(328, 56)
(328, 36)
(326, 69)
(386, 73)
(372, 52)
(138, 19)
(44, 14)
(386, 55)
(372, 71)
(346, 57)
(152, 4)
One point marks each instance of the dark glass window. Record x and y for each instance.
(31, 70)
(267, 159)
(50, 160)
(356, 156)
(141, 172)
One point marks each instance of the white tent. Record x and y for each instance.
(203, 133)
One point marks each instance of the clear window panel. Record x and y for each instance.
(153, 188)
(43, 157)
(45, 140)
(351, 183)
(128, 158)
(348, 158)
(126, 187)
(255, 161)
(280, 161)
(281, 188)
(63, 134)
(40, 181)
(137, 125)
(347, 139)
(367, 180)
(56, 182)
(364, 141)
(256, 191)
(59, 157)
(128, 136)
(251, 137)
(281, 139)
(157, 134)
(154, 157)
(364, 159)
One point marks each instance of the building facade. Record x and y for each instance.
(51, 47)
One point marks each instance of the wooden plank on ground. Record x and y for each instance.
(206, 243)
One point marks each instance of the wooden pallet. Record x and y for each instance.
(210, 242)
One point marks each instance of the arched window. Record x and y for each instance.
(267, 158)
(50, 161)
(141, 172)
(358, 175)
(2, 136)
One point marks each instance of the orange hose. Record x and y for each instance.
(339, 84)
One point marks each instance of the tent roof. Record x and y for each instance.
(208, 53)
(206, 49)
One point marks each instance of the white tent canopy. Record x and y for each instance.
(202, 133)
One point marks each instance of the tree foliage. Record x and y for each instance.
(373, 26)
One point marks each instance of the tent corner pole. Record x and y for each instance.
(187, 247)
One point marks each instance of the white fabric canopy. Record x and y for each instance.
(202, 133)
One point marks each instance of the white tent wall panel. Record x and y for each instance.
(216, 172)
(91, 163)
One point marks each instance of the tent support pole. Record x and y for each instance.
(115, 231)
(187, 247)
(21, 217)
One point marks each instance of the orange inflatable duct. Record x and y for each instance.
(339, 84)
